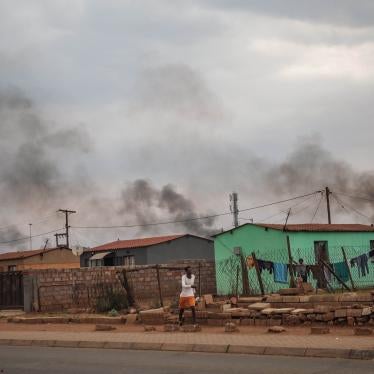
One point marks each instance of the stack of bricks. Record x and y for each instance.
(349, 309)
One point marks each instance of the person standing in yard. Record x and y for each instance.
(187, 296)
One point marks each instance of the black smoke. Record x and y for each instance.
(147, 204)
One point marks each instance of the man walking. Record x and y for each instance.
(187, 296)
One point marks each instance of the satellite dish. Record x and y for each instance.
(77, 250)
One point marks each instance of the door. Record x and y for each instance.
(321, 251)
(11, 290)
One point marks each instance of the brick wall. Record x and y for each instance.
(62, 289)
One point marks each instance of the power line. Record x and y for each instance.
(343, 205)
(33, 236)
(285, 211)
(318, 205)
(355, 197)
(193, 218)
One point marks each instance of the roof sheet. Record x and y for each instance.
(135, 243)
(24, 254)
(100, 255)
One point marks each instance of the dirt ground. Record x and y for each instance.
(81, 327)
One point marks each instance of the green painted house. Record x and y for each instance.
(307, 241)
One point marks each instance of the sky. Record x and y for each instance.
(132, 112)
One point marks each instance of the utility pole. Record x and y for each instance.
(30, 224)
(234, 208)
(328, 192)
(66, 212)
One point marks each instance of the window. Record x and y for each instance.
(12, 268)
(129, 261)
(371, 244)
(118, 261)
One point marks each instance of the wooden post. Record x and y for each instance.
(126, 286)
(237, 281)
(290, 262)
(335, 275)
(159, 285)
(199, 279)
(258, 274)
(246, 289)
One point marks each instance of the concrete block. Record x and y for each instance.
(251, 350)
(366, 311)
(340, 313)
(211, 348)
(354, 312)
(328, 352)
(43, 343)
(67, 343)
(20, 342)
(117, 345)
(291, 299)
(146, 346)
(285, 351)
(259, 306)
(177, 347)
(290, 291)
(90, 344)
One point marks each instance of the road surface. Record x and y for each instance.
(15, 360)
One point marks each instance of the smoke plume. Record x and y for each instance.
(148, 204)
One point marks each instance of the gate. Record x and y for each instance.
(11, 290)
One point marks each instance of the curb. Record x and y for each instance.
(357, 354)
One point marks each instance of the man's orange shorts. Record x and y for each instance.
(186, 302)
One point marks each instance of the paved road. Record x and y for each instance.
(15, 360)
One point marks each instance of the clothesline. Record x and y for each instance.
(280, 270)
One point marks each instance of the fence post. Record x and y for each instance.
(258, 274)
(246, 289)
(349, 270)
(237, 281)
(159, 285)
(290, 262)
(126, 286)
(199, 279)
(335, 275)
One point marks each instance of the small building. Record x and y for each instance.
(151, 250)
(50, 258)
(310, 242)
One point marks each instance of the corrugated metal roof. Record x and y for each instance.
(100, 255)
(311, 227)
(24, 254)
(139, 243)
(321, 227)
(135, 243)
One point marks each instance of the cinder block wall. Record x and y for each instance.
(63, 289)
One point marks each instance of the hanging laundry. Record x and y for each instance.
(341, 270)
(318, 275)
(362, 263)
(265, 265)
(280, 273)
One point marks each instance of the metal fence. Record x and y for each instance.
(257, 272)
